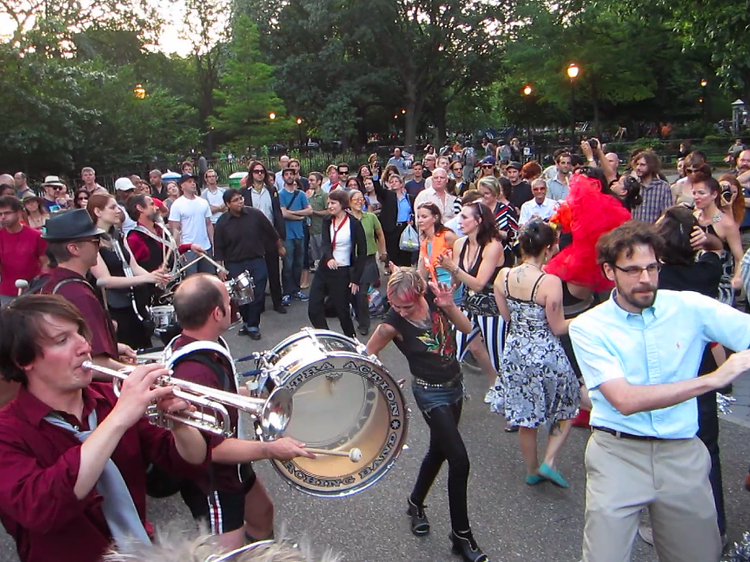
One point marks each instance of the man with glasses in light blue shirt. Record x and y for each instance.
(639, 353)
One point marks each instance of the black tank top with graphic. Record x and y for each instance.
(431, 350)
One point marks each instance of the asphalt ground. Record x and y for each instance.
(510, 520)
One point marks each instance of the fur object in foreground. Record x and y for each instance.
(176, 545)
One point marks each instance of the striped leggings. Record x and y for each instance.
(491, 328)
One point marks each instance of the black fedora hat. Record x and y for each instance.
(70, 225)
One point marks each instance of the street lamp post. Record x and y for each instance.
(139, 91)
(573, 71)
(527, 93)
(703, 99)
(299, 130)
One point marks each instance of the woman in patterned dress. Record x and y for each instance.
(539, 387)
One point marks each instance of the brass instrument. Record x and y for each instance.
(271, 415)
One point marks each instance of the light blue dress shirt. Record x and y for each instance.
(557, 190)
(663, 345)
(404, 209)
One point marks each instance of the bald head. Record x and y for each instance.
(613, 159)
(7, 179)
(439, 179)
(201, 302)
(743, 161)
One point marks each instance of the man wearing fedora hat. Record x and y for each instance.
(55, 194)
(73, 242)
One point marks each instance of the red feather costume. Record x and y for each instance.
(587, 214)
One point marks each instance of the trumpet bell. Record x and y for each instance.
(276, 414)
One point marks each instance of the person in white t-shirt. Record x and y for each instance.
(540, 206)
(213, 194)
(190, 223)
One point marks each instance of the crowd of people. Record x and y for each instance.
(567, 287)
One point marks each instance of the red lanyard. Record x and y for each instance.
(336, 231)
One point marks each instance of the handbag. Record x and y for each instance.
(480, 303)
(409, 241)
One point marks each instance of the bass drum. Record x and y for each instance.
(342, 399)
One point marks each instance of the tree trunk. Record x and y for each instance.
(440, 109)
(414, 104)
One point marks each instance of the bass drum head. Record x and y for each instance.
(341, 400)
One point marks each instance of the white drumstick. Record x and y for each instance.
(21, 284)
(355, 454)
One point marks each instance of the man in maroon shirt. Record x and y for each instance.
(22, 250)
(73, 242)
(233, 500)
(66, 495)
(147, 239)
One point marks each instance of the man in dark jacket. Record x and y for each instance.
(261, 194)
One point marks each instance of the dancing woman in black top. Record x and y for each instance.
(422, 327)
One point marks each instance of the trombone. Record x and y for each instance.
(272, 415)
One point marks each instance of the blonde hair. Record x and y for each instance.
(406, 283)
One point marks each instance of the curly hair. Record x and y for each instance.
(622, 241)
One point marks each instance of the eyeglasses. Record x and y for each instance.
(691, 170)
(83, 198)
(343, 172)
(59, 187)
(635, 271)
(488, 166)
(259, 171)
(457, 168)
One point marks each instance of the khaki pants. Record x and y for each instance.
(669, 477)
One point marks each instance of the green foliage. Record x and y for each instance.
(245, 96)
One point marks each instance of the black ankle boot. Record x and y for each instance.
(465, 545)
(420, 526)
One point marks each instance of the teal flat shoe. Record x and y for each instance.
(553, 476)
(534, 479)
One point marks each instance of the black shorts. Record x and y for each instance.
(224, 511)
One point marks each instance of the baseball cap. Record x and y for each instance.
(124, 184)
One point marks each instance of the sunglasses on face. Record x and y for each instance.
(258, 172)
(691, 170)
(488, 166)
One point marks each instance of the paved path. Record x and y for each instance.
(512, 522)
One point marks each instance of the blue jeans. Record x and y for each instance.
(203, 266)
(428, 398)
(295, 253)
(258, 271)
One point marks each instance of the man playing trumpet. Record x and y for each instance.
(230, 496)
(73, 457)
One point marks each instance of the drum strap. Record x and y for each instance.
(196, 351)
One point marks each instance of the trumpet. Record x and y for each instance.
(271, 415)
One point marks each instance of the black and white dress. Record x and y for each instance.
(538, 386)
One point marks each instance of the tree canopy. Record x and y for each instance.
(356, 71)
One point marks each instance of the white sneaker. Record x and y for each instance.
(646, 533)
(489, 398)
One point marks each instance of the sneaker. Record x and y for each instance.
(646, 533)
(286, 300)
(300, 296)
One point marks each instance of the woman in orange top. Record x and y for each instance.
(435, 240)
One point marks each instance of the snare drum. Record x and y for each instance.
(342, 398)
(241, 288)
(163, 317)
